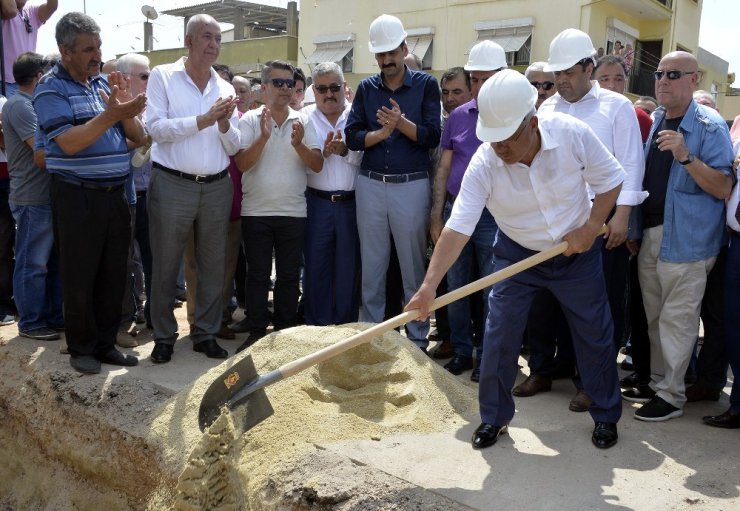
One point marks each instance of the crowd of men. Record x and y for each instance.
(188, 170)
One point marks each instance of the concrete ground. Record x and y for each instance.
(546, 462)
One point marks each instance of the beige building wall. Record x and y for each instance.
(453, 24)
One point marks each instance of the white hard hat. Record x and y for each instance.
(568, 48)
(386, 34)
(486, 56)
(503, 102)
(310, 97)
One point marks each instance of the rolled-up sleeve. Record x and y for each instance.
(629, 153)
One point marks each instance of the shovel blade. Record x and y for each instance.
(218, 396)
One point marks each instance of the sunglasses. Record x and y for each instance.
(321, 89)
(279, 82)
(542, 85)
(671, 75)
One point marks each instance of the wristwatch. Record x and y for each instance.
(688, 159)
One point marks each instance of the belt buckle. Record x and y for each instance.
(386, 176)
(335, 197)
(200, 179)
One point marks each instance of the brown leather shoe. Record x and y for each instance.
(443, 350)
(534, 384)
(698, 392)
(580, 402)
(225, 332)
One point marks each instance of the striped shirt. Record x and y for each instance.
(61, 102)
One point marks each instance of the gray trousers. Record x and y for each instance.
(177, 206)
(400, 209)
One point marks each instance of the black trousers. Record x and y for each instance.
(7, 261)
(141, 235)
(712, 363)
(92, 231)
(285, 235)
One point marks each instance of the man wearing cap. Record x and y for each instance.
(521, 176)
(459, 143)
(612, 118)
(395, 120)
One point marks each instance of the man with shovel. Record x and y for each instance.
(531, 173)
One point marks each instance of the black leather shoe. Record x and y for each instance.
(459, 364)
(487, 434)
(116, 358)
(633, 380)
(211, 349)
(727, 420)
(161, 353)
(604, 435)
(475, 375)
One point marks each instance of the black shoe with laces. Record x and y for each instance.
(459, 364)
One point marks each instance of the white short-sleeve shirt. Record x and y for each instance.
(537, 205)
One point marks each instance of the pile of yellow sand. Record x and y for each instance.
(387, 386)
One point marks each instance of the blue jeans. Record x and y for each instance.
(36, 282)
(477, 253)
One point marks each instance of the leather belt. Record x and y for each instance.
(193, 177)
(90, 185)
(333, 196)
(141, 194)
(394, 178)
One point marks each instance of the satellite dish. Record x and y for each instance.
(150, 12)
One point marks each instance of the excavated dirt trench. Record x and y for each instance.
(115, 441)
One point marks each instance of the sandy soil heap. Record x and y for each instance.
(385, 387)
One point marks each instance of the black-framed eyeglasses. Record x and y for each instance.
(542, 85)
(279, 82)
(322, 89)
(27, 22)
(671, 75)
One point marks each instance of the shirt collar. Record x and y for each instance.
(60, 72)
(407, 78)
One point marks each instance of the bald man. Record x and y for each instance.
(688, 173)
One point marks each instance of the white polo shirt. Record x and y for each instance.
(276, 185)
(339, 172)
(537, 205)
(612, 117)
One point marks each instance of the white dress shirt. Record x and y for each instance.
(612, 117)
(339, 172)
(537, 205)
(173, 103)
